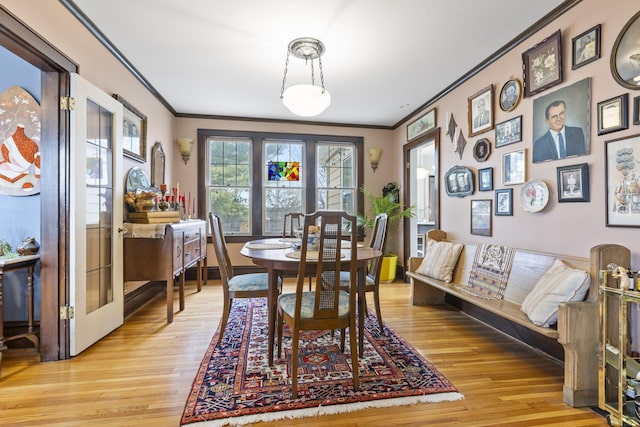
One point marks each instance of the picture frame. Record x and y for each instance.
(509, 132)
(504, 202)
(624, 55)
(482, 149)
(480, 111)
(542, 65)
(514, 167)
(134, 131)
(421, 125)
(636, 110)
(622, 200)
(573, 183)
(481, 222)
(485, 179)
(613, 114)
(458, 181)
(568, 108)
(585, 47)
(510, 94)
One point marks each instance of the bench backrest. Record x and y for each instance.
(527, 268)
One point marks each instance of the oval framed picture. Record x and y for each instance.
(625, 56)
(482, 149)
(510, 95)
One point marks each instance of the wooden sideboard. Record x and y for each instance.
(183, 246)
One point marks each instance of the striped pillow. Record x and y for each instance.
(559, 284)
(440, 258)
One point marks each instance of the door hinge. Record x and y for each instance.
(67, 103)
(66, 312)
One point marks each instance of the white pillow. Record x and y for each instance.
(560, 283)
(440, 258)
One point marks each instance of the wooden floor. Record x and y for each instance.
(140, 374)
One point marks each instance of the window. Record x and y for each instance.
(252, 179)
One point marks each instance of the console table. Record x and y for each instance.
(167, 256)
(27, 262)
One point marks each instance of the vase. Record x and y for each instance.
(28, 246)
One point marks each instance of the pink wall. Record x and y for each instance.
(565, 228)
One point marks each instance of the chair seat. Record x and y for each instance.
(249, 282)
(344, 279)
(288, 304)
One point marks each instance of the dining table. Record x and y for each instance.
(279, 256)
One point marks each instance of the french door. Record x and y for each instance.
(96, 280)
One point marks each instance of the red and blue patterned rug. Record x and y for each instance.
(235, 386)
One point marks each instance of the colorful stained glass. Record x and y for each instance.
(288, 171)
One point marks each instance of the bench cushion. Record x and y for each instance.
(560, 283)
(439, 260)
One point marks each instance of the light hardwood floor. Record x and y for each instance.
(141, 373)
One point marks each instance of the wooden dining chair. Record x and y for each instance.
(250, 285)
(292, 222)
(327, 307)
(378, 240)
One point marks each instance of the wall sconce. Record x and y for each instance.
(374, 157)
(185, 145)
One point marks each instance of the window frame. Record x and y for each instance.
(257, 138)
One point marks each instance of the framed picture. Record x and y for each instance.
(485, 179)
(514, 167)
(543, 65)
(421, 125)
(625, 58)
(510, 94)
(636, 110)
(134, 131)
(482, 149)
(621, 170)
(573, 183)
(480, 110)
(504, 202)
(585, 47)
(481, 217)
(566, 110)
(458, 181)
(509, 131)
(613, 114)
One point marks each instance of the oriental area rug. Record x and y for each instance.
(235, 385)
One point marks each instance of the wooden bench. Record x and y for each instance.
(577, 329)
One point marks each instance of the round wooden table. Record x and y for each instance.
(272, 255)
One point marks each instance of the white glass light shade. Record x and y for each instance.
(306, 100)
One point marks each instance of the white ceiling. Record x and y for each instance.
(384, 59)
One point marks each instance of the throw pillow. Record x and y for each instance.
(560, 283)
(440, 258)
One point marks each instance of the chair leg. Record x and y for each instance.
(354, 354)
(343, 332)
(226, 309)
(280, 327)
(294, 363)
(376, 300)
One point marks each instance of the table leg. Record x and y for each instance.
(3, 347)
(181, 289)
(199, 274)
(272, 301)
(31, 336)
(362, 272)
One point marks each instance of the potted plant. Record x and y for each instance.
(387, 203)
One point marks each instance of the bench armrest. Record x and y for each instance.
(578, 326)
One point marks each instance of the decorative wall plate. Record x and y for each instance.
(534, 196)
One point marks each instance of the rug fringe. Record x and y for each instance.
(330, 410)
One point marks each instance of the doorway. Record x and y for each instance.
(421, 179)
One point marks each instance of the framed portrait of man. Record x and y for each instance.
(480, 111)
(561, 123)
